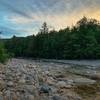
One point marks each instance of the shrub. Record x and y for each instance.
(3, 54)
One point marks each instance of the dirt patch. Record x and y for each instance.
(88, 91)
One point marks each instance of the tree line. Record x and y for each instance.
(3, 53)
(81, 41)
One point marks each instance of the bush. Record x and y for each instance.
(3, 54)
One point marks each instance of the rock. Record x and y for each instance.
(2, 85)
(84, 81)
(29, 88)
(24, 65)
(57, 97)
(54, 89)
(45, 89)
(22, 81)
(61, 84)
(8, 95)
(30, 97)
(50, 81)
(68, 86)
(47, 72)
(14, 97)
(70, 81)
(78, 98)
(1, 98)
(10, 84)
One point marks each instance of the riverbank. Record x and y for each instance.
(27, 79)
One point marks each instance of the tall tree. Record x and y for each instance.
(44, 29)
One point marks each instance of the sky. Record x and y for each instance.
(25, 17)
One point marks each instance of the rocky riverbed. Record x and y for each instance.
(22, 79)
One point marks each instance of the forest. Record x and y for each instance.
(81, 41)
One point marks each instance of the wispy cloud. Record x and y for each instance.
(24, 17)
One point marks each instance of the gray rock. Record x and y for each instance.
(50, 81)
(29, 97)
(10, 84)
(84, 81)
(70, 81)
(61, 84)
(57, 97)
(45, 88)
(22, 81)
(8, 95)
(29, 89)
(1, 98)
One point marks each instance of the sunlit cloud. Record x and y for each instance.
(25, 17)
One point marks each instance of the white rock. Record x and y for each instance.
(47, 72)
(10, 83)
(70, 81)
(50, 81)
(61, 84)
(22, 81)
(84, 81)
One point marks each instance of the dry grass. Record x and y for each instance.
(88, 91)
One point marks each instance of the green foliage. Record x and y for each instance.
(3, 54)
(82, 41)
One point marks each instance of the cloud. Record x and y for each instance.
(13, 9)
(26, 16)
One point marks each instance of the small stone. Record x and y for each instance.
(69, 81)
(8, 95)
(84, 81)
(45, 89)
(30, 97)
(54, 89)
(1, 98)
(57, 97)
(15, 97)
(10, 84)
(22, 81)
(29, 88)
(50, 81)
(61, 84)
(24, 65)
(47, 72)
(2, 84)
(68, 86)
